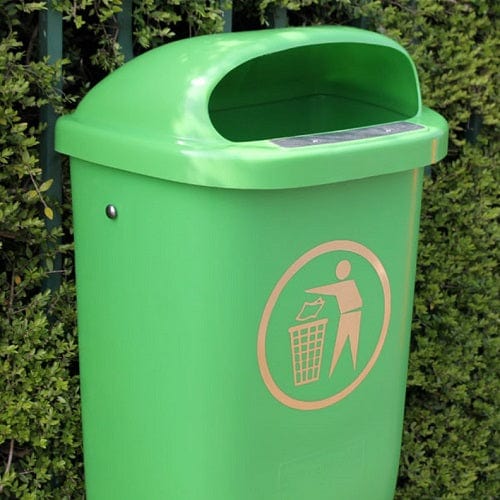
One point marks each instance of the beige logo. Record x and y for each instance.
(309, 336)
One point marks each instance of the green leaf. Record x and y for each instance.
(48, 213)
(45, 186)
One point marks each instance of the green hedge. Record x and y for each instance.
(449, 438)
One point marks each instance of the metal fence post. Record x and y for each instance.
(50, 37)
(227, 15)
(124, 18)
(279, 18)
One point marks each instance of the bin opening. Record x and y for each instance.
(314, 89)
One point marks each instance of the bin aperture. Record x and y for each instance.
(314, 89)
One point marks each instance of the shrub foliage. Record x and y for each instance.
(449, 437)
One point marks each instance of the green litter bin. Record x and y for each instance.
(246, 213)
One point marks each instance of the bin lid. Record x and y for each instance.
(266, 109)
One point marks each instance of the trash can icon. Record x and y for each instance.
(307, 341)
(219, 185)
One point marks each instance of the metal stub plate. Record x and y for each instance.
(347, 135)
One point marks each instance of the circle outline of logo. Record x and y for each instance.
(328, 247)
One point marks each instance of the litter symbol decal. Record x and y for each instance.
(335, 303)
(307, 348)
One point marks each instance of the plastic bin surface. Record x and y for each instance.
(244, 310)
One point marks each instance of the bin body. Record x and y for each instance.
(243, 340)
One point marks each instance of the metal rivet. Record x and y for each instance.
(111, 212)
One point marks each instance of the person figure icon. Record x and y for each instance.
(349, 303)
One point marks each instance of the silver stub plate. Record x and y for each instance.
(347, 135)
